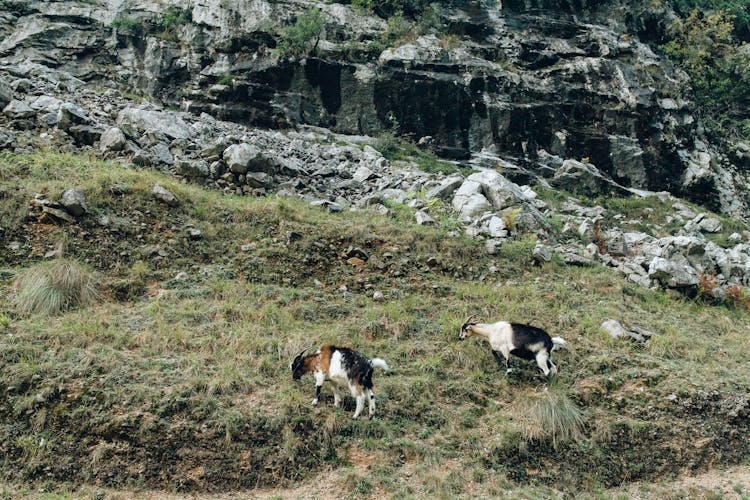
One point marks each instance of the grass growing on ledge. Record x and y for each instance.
(178, 378)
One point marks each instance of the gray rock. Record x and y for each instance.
(70, 114)
(161, 154)
(113, 140)
(58, 214)
(193, 168)
(671, 274)
(424, 219)
(446, 189)
(85, 134)
(258, 180)
(495, 227)
(134, 122)
(6, 93)
(363, 174)
(469, 201)
(541, 253)
(501, 192)
(238, 157)
(17, 110)
(616, 243)
(615, 330)
(74, 201)
(710, 225)
(164, 195)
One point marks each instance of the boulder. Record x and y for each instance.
(134, 122)
(164, 195)
(238, 157)
(69, 114)
(423, 218)
(469, 201)
(74, 201)
(671, 274)
(445, 190)
(18, 110)
(112, 140)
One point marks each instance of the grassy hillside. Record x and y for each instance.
(177, 377)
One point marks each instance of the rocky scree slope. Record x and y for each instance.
(62, 63)
(532, 81)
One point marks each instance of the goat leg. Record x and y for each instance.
(317, 395)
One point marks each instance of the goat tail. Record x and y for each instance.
(558, 342)
(379, 363)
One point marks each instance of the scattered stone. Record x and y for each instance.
(356, 252)
(378, 296)
(164, 195)
(541, 253)
(238, 157)
(616, 330)
(671, 274)
(74, 201)
(424, 219)
(18, 110)
(194, 233)
(113, 140)
(58, 214)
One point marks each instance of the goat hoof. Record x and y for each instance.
(509, 371)
(315, 402)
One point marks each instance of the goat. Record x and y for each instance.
(524, 341)
(344, 367)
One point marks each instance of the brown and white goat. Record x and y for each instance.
(343, 367)
(524, 341)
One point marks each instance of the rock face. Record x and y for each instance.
(533, 80)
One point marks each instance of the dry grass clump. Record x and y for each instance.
(49, 288)
(551, 416)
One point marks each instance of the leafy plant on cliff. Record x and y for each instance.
(302, 38)
(738, 9)
(704, 46)
(127, 25)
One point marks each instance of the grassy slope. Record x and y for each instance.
(183, 384)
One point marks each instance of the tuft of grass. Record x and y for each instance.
(50, 288)
(552, 416)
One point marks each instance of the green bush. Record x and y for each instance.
(738, 9)
(175, 16)
(49, 288)
(704, 45)
(127, 25)
(302, 37)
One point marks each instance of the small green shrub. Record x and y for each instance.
(49, 288)
(175, 16)
(303, 36)
(226, 80)
(705, 46)
(127, 25)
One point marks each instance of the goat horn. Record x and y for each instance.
(301, 352)
(470, 318)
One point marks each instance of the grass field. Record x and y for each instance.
(176, 379)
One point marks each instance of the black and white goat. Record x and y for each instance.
(344, 367)
(524, 341)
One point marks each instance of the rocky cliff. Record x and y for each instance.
(536, 82)
(522, 98)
